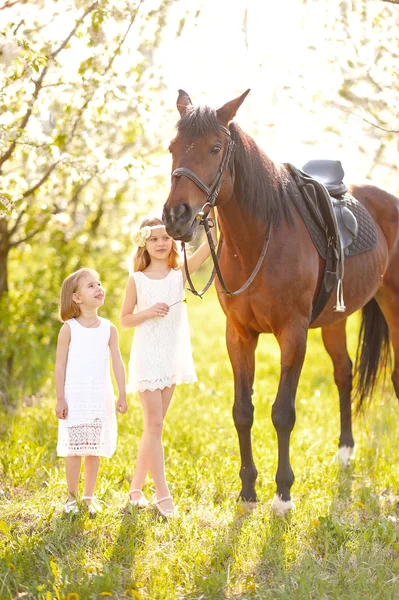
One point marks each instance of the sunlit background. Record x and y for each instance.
(88, 94)
(292, 57)
(296, 57)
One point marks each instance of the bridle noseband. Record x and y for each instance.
(211, 193)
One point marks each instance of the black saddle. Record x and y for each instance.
(331, 174)
(331, 216)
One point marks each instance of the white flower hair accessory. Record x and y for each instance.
(141, 236)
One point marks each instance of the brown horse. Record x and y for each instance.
(254, 196)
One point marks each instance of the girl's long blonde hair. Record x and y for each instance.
(141, 259)
(68, 308)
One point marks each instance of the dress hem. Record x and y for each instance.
(65, 454)
(151, 388)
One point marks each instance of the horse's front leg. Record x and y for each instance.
(242, 357)
(292, 343)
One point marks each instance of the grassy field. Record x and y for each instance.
(341, 542)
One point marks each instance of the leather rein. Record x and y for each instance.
(211, 193)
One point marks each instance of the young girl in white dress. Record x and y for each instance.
(85, 398)
(161, 355)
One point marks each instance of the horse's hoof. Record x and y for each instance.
(248, 498)
(344, 455)
(250, 505)
(281, 507)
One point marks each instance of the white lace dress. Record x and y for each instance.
(90, 427)
(161, 351)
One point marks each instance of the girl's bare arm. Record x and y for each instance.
(119, 369)
(130, 319)
(64, 338)
(196, 260)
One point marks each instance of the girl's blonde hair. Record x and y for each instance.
(141, 259)
(68, 307)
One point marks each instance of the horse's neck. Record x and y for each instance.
(240, 232)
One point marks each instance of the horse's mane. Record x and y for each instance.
(263, 187)
(198, 121)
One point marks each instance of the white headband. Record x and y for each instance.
(141, 236)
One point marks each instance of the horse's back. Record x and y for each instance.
(383, 208)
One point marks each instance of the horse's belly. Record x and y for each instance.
(362, 279)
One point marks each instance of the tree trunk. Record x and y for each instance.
(6, 368)
(4, 250)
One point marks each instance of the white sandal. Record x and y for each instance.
(70, 507)
(141, 502)
(92, 506)
(166, 512)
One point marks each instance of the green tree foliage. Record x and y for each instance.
(75, 103)
(367, 34)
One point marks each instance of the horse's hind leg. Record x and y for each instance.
(388, 300)
(334, 339)
(242, 357)
(395, 343)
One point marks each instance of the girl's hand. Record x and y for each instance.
(61, 409)
(160, 309)
(121, 406)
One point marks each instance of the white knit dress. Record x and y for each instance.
(90, 427)
(161, 351)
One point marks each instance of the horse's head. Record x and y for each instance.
(202, 164)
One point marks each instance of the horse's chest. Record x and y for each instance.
(247, 313)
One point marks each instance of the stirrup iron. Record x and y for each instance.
(340, 305)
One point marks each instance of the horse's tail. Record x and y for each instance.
(373, 352)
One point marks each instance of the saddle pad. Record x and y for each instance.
(367, 233)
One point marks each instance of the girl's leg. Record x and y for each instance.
(142, 464)
(155, 405)
(72, 468)
(167, 394)
(92, 464)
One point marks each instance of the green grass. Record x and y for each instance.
(341, 542)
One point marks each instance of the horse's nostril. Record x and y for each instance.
(179, 212)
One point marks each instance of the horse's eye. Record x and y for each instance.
(216, 149)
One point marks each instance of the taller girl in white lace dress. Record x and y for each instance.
(161, 355)
(85, 397)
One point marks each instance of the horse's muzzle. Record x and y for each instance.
(179, 222)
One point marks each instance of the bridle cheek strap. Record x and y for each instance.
(211, 192)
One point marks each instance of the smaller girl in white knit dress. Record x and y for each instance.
(85, 397)
(161, 355)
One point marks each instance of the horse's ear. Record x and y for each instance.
(183, 101)
(228, 111)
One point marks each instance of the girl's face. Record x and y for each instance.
(90, 292)
(159, 244)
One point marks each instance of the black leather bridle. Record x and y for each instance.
(211, 193)
(213, 190)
